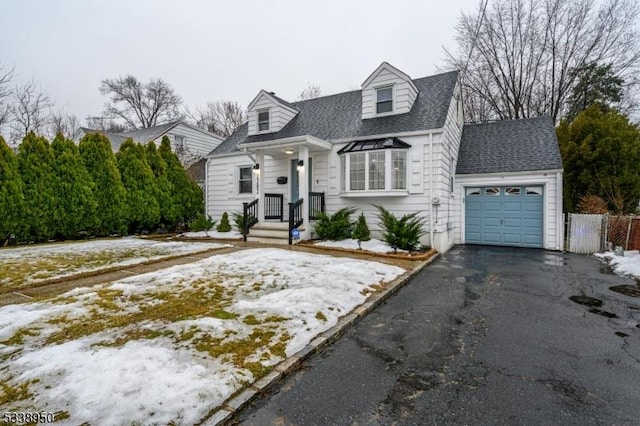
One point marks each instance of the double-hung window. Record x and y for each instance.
(384, 100)
(376, 165)
(263, 121)
(245, 180)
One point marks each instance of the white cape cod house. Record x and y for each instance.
(398, 142)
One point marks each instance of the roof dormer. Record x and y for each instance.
(387, 91)
(267, 113)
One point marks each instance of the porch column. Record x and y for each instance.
(303, 182)
(260, 179)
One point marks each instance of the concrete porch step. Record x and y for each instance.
(269, 233)
(276, 226)
(267, 240)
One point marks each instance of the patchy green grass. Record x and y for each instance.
(24, 266)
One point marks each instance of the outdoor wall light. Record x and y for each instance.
(300, 164)
(256, 168)
(289, 151)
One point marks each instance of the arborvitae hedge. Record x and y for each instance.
(169, 211)
(35, 163)
(67, 191)
(11, 196)
(75, 207)
(108, 190)
(186, 194)
(142, 210)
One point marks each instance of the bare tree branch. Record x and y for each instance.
(30, 110)
(6, 91)
(140, 105)
(312, 91)
(220, 117)
(516, 58)
(66, 124)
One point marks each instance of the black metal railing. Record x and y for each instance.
(273, 206)
(316, 204)
(249, 216)
(295, 217)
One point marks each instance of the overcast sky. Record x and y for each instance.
(213, 50)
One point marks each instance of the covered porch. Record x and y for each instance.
(284, 198)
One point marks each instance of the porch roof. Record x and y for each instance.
(287, 146)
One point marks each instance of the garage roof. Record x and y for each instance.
(509, 146)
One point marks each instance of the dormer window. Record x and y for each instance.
(263, 121)
(384, 100)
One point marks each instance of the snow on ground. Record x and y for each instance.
(104, 355)
(351, 244)
(629, 264)
(30, 264)
(231, 235)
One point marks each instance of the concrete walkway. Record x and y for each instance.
(484, 336)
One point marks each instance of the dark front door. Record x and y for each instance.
(295, 180)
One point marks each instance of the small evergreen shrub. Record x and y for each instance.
(201, 223)
(337, 226)
(403, 233)
(224, 225)
(361, 231)
(238, 221)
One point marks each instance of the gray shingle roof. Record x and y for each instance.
(509, 146)
(144, 136)
(340, 116)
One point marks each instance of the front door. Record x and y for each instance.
(295, 181)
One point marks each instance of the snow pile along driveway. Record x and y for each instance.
(351, 244)
(629, 264)
(169, 346)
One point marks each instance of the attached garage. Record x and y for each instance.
(504, 216)
(509, 185)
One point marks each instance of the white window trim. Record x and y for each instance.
(393, 100)
(237, 182)
(268, 111)
(348, 192)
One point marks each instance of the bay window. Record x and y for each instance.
(377, 165)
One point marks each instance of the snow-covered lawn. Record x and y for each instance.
(371, 245)
(629, 264)
(231, 235)
(29, 264)
(168, 346)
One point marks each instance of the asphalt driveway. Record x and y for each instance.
(482, 336)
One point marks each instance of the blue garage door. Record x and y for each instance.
(504, 215)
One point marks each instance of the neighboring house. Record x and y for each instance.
(397, 142)
(190, 142)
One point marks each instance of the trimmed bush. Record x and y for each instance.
(201, 223)
(224, 225)
(186, 195)
(337, 226)
(75, 204)
(142, 209)
(403, 233)
(35, 162)
(169, 212)
(361, 231)
(11, 196)
(108, 191)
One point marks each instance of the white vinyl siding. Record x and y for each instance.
(198, 142)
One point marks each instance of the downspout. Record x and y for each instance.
(431, 189)
(560, 212)
(206, 187)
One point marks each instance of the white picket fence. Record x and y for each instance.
(586, 233)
